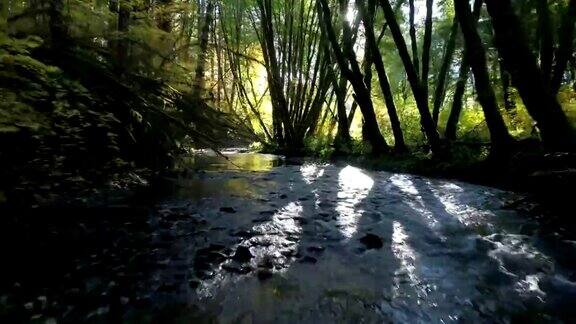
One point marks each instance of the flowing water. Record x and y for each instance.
(256, 239)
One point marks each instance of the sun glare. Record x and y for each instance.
(353, 187)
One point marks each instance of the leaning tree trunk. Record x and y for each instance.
(440, 91)
(476, 53)
(557, 133)
(399, 144)
(565, 47)
(426, 47)
(204, 36)
(354, 76)
(546, 43)
(415, 82)
(58, 28)
(413, 39)
(457, 104)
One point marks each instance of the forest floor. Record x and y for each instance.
(257, 239)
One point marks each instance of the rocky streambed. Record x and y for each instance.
(254, 239)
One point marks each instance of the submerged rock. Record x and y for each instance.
(372, 241)
(264, 274)
(228, 210)
(308, 259)
(242, 254)
(237, 269)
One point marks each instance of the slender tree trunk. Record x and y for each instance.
(415, 82)
(440, 91)
(342, 142)
(518, 60)
(457, 101)
(413, 39)
(123, 27)
(354, 76)
(546, 45)
(204, 36)
(426, 46)
(399, 144)
(58, 27)
(509, 103)
(565, 48)
(499, 135)
(460, 91)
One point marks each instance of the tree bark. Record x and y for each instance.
(354, 76)
(476, 53)
(399, 144)
(426, 46)
(421, 100)
(557, 133)
(413, 39)
(565, 48)
(204, 36)
(546, 44)
(460, 91)
(440, 91)
(456, 110)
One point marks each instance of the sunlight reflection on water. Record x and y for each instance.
(353, 186)
(407, 258)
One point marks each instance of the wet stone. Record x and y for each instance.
(308, 259)
(242, 254)
(228, 210)
(237, 269)
(244, 234)
(372, 241)
(193, 284)
(268, 212)
(315, 249)
(264, 274)
(283, 196)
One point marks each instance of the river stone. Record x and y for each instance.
(308, 259)
(242, 254)
(237, 269)
(264, 274)
(372, 241)
(228, 210)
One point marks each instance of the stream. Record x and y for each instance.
(260, 239)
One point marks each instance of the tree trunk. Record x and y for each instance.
(546, 44)
(565, 48)
(399, 144)
(58, 27)
(476, 53)
(204, 36)
(518, 60)
(123, 44)
(354, 76)
(419, 95)
(509, 103)
(460, 91)
(440, 91)
(456, 110)
(426, 47)
(413, 39)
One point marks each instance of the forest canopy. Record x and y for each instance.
(138, 82)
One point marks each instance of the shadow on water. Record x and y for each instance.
(338, 244)
(253, 239)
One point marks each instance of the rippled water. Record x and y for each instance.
(449, 251)
(255, 238)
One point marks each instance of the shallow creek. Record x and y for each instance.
(257, 239)
(334, 243)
